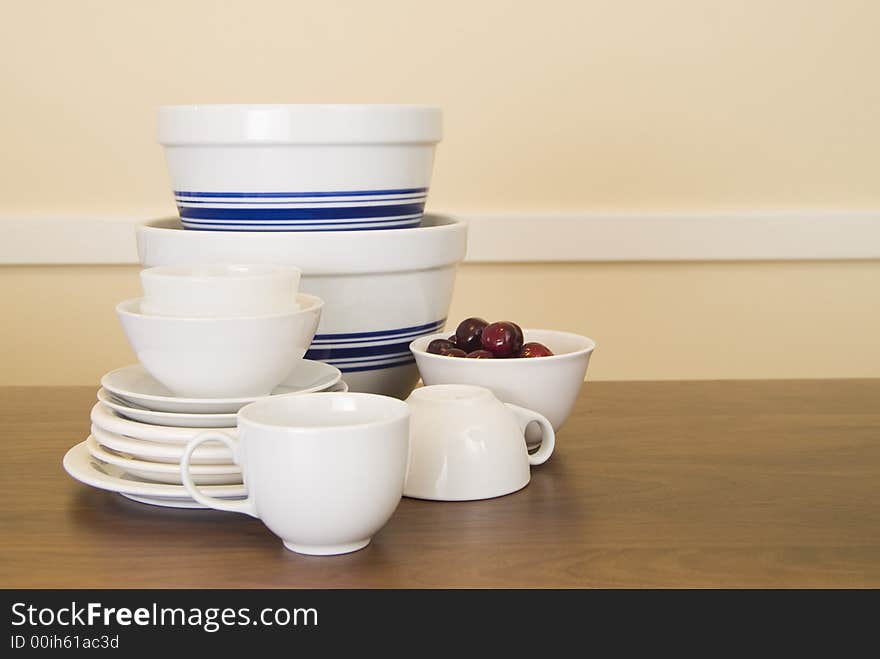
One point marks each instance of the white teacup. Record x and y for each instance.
(323, 471)
(465, 444)
(221, 290)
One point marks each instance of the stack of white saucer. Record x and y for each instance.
(139, 431)
(201, 330)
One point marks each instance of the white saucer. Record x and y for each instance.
(208, 453)
(180, 419)
(166, 502)
(165, 472)
(84, 468)
(341, 386)
(153, 417)
(134, 385)
(106, 419)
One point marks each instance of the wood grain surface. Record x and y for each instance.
(662, 484)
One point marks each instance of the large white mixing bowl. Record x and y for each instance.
(299, 167)
(381, 289)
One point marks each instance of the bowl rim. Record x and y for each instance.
(587, 349)
(444, 224)
(245, 125)
(440, 244)
(400, 410)
(130, 308)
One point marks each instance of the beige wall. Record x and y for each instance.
(558, 105)
(673, 321)
(568, 104)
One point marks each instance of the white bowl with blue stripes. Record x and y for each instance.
(287, 168)
(381, 289)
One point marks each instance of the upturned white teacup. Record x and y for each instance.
(219, 290)
(323, 471)
(465, 444)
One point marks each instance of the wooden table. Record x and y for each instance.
(652, 484)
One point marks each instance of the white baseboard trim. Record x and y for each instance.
(519, 237)
(747, 236)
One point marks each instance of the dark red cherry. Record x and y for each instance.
(480, 354)
(467, 334)
(502, 339)
(535, 349)
(519, 335)
(440, 347)
(455, 352)
(453, 341)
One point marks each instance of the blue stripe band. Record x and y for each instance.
(294, 226)
(348, 212)
(320, 223)
(261, 228)
(376, 367)
(322, 353)
(428, 328)
(369, 361)
(410, 337)
(297, 195)
(353, 359)
(300, 203)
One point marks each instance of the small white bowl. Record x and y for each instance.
(221, 357)
(299, 167)
(548, 385)
(218, 290)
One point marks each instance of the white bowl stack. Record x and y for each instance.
(210, 340)
(335, 190)
(335, 193)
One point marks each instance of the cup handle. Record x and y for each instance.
(548, 437)
(245, 506)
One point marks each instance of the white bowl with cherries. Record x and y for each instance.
(539, 369)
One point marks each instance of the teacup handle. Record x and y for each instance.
(548, 437)
(245, 506)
